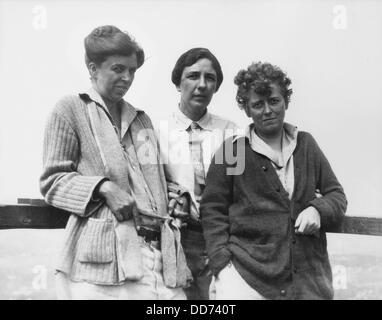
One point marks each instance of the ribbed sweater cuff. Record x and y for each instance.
(328, 219)
(77, 197)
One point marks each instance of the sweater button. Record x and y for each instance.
(294, 241)
(295, 270)
(264, 168)
(283, 293)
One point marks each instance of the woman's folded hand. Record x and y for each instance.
(179, 207)
(308, 222)
(121, 203)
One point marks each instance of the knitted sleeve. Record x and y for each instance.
(61, 185)
(332, 205)
(216, 200)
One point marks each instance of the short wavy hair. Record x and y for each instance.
(259, 76)
(189, 58)
(105, 41)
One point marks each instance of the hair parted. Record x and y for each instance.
(259, 76)
(108, 40)
(192, 56)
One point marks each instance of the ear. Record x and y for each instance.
(92, 69)
(178, 88)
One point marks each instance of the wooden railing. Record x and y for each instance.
(35, 214)
(21, 216)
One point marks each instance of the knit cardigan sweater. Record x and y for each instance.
(248, 219)
(72, 168)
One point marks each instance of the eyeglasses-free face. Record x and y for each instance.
(197, 86)
(267, 112)
(114, 76)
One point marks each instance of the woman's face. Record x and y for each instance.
(267, 112)
(114, 76)
(197, 85)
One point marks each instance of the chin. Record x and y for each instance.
(273, 132)
(118, 97)
(199, 106)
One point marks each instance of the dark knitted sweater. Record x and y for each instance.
(248, 219)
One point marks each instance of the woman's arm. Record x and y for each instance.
(216, 199)
(61, 185)
(332, 205)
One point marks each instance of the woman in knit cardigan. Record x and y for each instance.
(101, 163)
(265, 222)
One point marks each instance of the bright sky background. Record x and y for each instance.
(332, 51)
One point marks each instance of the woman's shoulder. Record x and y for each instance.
(305, 138)
(68, 105)
(235, 143)
(304, 135)
(223, 122)
(68, 102)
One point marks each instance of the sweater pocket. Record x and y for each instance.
(97, 241)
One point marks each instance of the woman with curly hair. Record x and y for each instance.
(265, 226)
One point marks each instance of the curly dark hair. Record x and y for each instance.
(192, 56)
(259, 76)
(108, 40)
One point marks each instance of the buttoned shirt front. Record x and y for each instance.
(174, 139)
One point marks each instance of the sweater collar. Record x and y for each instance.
(128, 112)
(289, 142)
(290, 130)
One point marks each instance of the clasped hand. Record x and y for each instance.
(308, 222)
(121, 203)
(180, 208)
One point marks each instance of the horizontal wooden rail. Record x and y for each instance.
(370, 226)
(32, 217)
(38, 215)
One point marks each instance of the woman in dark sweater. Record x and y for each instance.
(264, 220)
